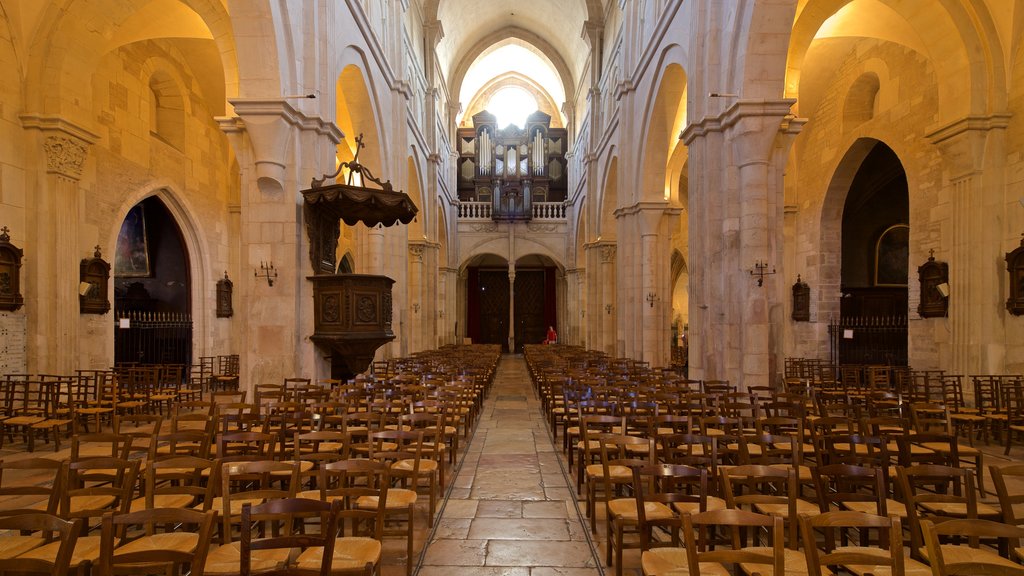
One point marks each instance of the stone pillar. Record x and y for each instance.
(609, 312)
(738, 220)
(976, 248)
(574, 309)
(511, 306)
(416, 296)
(54, 246)
(278, 319)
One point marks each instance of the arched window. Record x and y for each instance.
(167, 110)
(511, 106)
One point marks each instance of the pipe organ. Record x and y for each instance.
(512, 168)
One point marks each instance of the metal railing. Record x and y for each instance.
(153, 337)
(484, 210)
(869, 340)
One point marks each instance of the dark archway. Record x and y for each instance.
(875, 250)
(152, 288)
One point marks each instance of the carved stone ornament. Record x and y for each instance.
(608, 253)
(65, 156)
(801, 301)
(225, 291)
(94, 280)
(1015, 266)
(10, 272)
(934, 280)
(416, 252)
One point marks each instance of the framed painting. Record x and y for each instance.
(131, 259)
(891, 256)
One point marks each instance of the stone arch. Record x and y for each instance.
(169, 107)
(60, 53)
(543, 46)
(358, 113)
(609, 202)
(861, 103)
(416, 229)
(545, 102)
(665, 116)
(963, 32)
(197, 245)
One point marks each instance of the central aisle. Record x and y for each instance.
(511, 511)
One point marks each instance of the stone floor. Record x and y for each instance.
(510, 507)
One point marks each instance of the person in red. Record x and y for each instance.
(552, 336)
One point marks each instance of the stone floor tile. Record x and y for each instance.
(519, 529)
(539, 553)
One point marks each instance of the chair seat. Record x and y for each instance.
(226, 559)
(626, 508)
(97, 502)
(891, 507)
(795, 563)
(349, 552)
(958, 508)
(217, 504)
(942, 448)
(426, 466)
(953, 554)
(397, 498)
(714, 503)
(87, 550)
(911, 567)
(616, 472)
(11, 546)
(802, 507)
(672, 562)
(177, 541)
(163, 501)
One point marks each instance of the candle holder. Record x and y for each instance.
(267, 271)
(761, 270)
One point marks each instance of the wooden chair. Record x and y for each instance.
(36, 487)
(847, 487)
(275, 521)
(403, 450)
(880, 550)
(95, 486)
(132, 543)
(939, 493)
(360, 487)
(948, 558)
(701, 559)
(240, 483)
(48, 552)
(767, 490)
(175, 482)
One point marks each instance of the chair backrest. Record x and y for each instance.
(249, 481)
(51, 528)
(276, 520)
(180, 476)
(44, 483)
(118, 530)
(104, 484)
(696, 529)
(1010, 500)
(885, 550)
(360, 486)
(839, 484)
(973, 530)
(936, 493)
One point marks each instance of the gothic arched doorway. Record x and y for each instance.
(152, 288)
(875, 251)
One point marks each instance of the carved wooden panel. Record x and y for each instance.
(10, 272)
(493, 286)
(934, 280)
(94, 279)
(1015, 266)
(529, 307)
(801, 301)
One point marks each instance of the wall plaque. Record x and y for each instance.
(94, 279)
(10, 272)
(934, 280)
(801, 301)
(225, 289)
(1015, 266)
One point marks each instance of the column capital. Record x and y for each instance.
(962, 142)
(66, 144)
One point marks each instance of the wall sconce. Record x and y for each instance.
(651, 297)
(267, 271)
(607, 308)
(416, 308)
(760, 270)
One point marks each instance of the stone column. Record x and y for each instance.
(976, 247)
(511, 306)
(55, 248)
(609, 306)
(736, 209)
(278, 318)
(416, 296)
